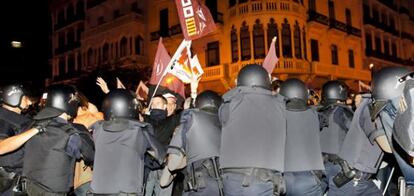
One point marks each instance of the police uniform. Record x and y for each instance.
(332, 135)
(119, 158)
(361, 155)
(59, 147)
(11, 164)
(198, 138)
(303, 159)
(253, 141)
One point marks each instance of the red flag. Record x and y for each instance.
(142, 91)
(195, 18)
(271, 59)
(162, 58)
(119, 84)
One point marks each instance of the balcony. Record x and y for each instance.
(353, 31)
(389, 4)
(408, 36)
(173, 30)
(68, 47)
(69, 21)
(404, 10)
(335, 24)
(122, 20)
(213, 73)
(284, 66)
(340, 71)
(313, 15)
(93, 3)
(386, 28)
(253, 7)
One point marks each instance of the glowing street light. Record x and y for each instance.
(16, 44)
(371, 66)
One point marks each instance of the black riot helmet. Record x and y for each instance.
(253, 75)
(294, 88)
(388, 83)
(208, 100)
(12, 95)
(120, 103)
(63, 98)
(333, 91)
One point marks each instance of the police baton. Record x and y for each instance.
(217, 174)
(388, 181)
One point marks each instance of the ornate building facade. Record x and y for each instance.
(318, 40)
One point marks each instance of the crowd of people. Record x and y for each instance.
(263, 137)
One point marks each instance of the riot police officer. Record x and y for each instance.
(252, 148)
(303, 156)
(387, 89)
(360, 158)
(13, 99)
(335, 118)
(50, 156)
(196, 142)
(121, 143)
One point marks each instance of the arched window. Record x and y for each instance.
(90, 57)
(124, 47)
(272, 31)
(351, 58)
(62, 68)
(105, 52)
(305, 55)
(71, 37)
(286, 39)
(296, 39)
(334, 54)
(70, 12)
(139, 45)
(61, 17)
(80, 10)
(245, 42)
(234, 45)
(258, 40)
(71, 64)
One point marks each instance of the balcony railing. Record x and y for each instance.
(93, 3)
(353, 31)
(313, 15)
(378, 24)
(251, 6)
(69, 21)
(174, 30)
(408, 36)
(340, 71)
(130, 17)
(389, 4)
(213, 73)
(335, 24)
(69, 47)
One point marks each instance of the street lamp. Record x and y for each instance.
(16, 44)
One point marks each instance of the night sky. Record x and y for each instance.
(27, 21)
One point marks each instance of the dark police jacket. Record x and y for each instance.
(12, 124)
(50, 156)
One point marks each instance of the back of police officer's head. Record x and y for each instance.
(14, 97)
(63, 98)
(334, 91)
(296, 93)
(209, 101)
(254, 75)
(120, 103)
